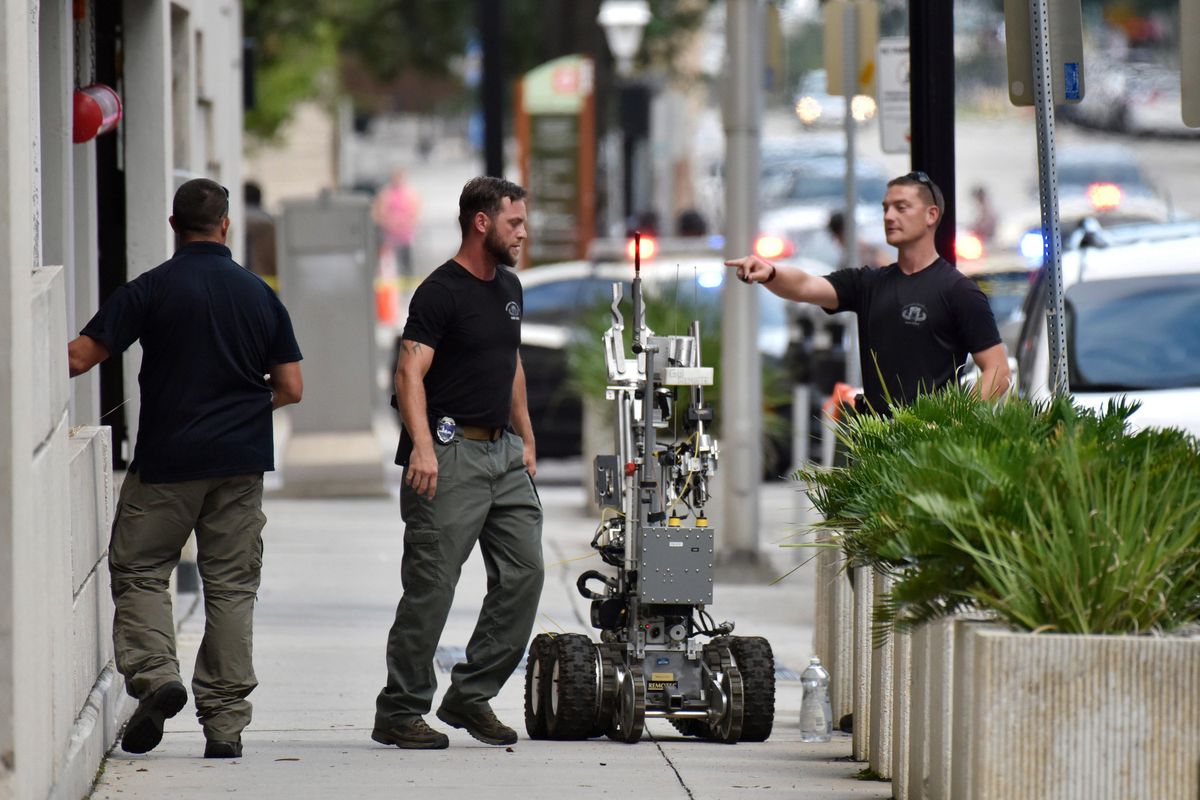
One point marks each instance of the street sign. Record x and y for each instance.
(867, 13)
(1066, 51)
(556, 142)
(1189, 60)
(894, 95)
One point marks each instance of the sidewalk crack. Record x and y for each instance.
(671, 764)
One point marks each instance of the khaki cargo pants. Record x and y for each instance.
(483, 495)
(152, 524)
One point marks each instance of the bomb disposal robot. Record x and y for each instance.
(660, 654)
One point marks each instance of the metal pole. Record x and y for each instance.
(741, 372)
(1043, 96)
(491, 88)
(931, 56)
(850, 215)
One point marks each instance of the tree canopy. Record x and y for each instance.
(305, 49)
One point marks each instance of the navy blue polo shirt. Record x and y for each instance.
(210, 332)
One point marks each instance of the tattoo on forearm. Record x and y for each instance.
(411, 349)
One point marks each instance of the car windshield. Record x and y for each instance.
(1084, 173)
(1134, 333)
(816, 186)
(555, 301)
(564, 301)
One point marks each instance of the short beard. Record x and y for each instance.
(496, 249)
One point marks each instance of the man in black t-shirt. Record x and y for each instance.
(469, 458)
(917, 319)
(218, 354)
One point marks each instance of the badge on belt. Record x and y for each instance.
(445, 429)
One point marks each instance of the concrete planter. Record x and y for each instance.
(1069, 717)
(834, 626)
(883, 695)
(864, 608)
(902, 690)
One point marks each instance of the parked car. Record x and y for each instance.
(815, 106)
(777, 156)
(1140, 99)
(1005, 277)
(798, 212)
(1132, 301)
(1106, 175)
(558, 298)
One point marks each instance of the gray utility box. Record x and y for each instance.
(328, 258)
(328, 261)
(677, 566)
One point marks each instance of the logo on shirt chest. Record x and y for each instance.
(514, 310)
(914, 314)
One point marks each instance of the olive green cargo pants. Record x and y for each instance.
(485, 495)
(153, 521)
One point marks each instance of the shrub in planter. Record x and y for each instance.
(1052, 517)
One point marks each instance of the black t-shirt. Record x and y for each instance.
(210, 331)
(474, 328)
(914, 330)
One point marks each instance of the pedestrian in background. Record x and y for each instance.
(984, 223)
(260, 236)
(918, 318)
(469, 458)
(397, 210)
(218, 354)
(868, 254)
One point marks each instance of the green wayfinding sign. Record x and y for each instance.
(556, 134)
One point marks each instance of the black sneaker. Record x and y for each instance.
(218, 749)
(412, 735)
(145, 728)
(482, 724)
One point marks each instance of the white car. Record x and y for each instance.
(816, 107)
(1132, 324)
(798, 213)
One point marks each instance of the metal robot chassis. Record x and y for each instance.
(650, 661)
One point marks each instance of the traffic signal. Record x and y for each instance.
(867, 34)
(1066, 50)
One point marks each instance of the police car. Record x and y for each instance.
(1132, 301)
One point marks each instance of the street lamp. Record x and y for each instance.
(623, 22)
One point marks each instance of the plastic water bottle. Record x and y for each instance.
(816, 717)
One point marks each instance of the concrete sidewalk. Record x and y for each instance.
(330, 587)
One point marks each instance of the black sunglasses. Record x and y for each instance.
(924, 179)
(920, 177)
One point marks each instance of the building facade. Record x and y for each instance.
(76, 221)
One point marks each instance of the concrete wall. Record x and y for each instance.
(61, 699)
(70, 702)
(166, 86)
(16, 402)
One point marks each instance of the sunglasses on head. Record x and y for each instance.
(920, 177)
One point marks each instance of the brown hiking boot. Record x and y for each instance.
(481, 723)
(412, 735)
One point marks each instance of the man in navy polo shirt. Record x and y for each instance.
(218, 355)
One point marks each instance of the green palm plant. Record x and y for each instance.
(1050, 516)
